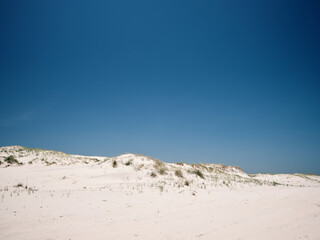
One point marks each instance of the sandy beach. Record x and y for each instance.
(100, 201)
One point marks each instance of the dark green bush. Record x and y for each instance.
(128, 163)
(12, 160)
(114, 164)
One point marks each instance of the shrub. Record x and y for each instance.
(162, 171)
(19, 185)
(178, 173)
(198, 173)
(114, 164)
(128, 163)
(153, 174)
(1, 162)
(275, 183)
(186, 183)
(11, 160)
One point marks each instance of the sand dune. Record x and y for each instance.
(53, 195)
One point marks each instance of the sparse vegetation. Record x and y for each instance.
(128, 163)
(12, 160)
(138, 168)
(178, 173)
(225, 183)
(49, 163)
(198, 173)
(201, 165)
(160, 167)
(162, 171)
(114, 164)
(312, 174)
(19, 185)
(31, 190)
(275, 183)
(214, 175)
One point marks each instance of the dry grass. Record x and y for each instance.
(160, 167)
(178, 173)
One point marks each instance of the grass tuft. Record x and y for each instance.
(162, 171)
(198, 173)
(178, 173)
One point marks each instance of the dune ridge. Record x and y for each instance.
(47, 194)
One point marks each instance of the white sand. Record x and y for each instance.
(98, 201)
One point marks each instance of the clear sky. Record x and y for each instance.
(233, 82)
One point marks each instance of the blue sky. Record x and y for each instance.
(233, 82)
